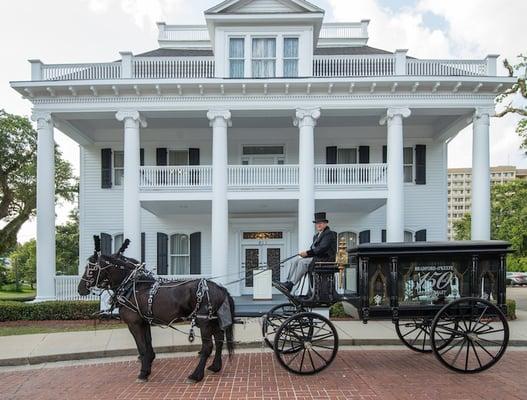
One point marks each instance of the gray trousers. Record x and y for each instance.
(298, 269)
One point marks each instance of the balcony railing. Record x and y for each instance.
(343, 66)
(66, 288)
(173, 67)
(446, 67)
(247, 177)
(350, 175)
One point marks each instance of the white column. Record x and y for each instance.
(220, 120)
(481, 175)
(131, 205)
(395, 201)
(306, 120)
(45, 207)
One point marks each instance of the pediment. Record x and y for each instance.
(264, 7)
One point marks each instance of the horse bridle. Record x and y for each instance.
(93, 281)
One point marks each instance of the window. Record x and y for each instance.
(177, 157)
(118, 167)
(264, 58)
(347, 156)
(237, 57)
(408, 236)
(350, 239)
(408, 161)
(290, 57)
(179, 254)
(263, 155)
(117, 242)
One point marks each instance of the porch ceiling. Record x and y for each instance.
(350, 205)
(177, 207)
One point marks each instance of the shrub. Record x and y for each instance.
(511, 309)
(337, 311)
(50, 310)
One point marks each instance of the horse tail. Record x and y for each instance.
(229, 331)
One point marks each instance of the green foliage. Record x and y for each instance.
(508, 221)
(3, 272)
(337, 311)
(24, 264)
(67, 239)
(50, 310)
(18, 170)
(511, 309)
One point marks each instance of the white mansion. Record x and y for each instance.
(213, 151)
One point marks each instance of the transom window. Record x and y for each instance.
(408, 161)
(179, 254)
(263, 155)
(264, 57)
(237, 57)
(177, 157)
(118, 167)
(347, 156)
(290, 57)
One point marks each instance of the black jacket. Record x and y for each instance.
(324, 247)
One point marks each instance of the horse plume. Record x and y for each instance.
(124, 246)
(97, 241)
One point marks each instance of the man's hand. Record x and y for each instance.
(303, 254)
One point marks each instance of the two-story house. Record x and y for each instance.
(213, 151)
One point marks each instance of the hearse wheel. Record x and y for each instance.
(479, 335)
(415, 334)
(306, 343)
(272, 320)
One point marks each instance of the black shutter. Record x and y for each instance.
(193, 156)
(106, 168)
(195, 253)
(142, 157)
(143, 238)
(106, 244)
(420, 164)
(384, 154)
(161, 156)
(420, 236)
(162, 254)
(383, 236)
(364, 237)
(331, 155)
(364, 154)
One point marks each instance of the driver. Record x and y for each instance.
(323, 249)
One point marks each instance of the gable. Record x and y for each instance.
(263, 7)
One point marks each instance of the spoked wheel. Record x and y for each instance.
(478, 332)
(415, 334)
(306, 343)
(274, 319)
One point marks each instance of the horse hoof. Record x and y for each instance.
(141, 380)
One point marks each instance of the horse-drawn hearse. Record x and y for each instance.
(443, 297)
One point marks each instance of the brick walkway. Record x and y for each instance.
(355, 374)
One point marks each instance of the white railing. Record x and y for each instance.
(359, 65)
(446, 67)
(350, 174)
(71, 72)
(183, 177)
(66, 288)
(247, 176)
(342, 30)
(172, 67)
(183, 33)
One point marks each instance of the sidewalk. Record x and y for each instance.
(51, 347)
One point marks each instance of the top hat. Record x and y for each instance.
(320, 217)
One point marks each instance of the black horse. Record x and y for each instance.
(144, 300)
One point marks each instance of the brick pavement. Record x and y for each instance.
(355, 374)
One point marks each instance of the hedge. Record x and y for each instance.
(49, 310)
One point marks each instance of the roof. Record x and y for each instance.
(351, 50)
(304, 5)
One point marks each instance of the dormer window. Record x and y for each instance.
(264, 57)
(237, 57)
(290, 57)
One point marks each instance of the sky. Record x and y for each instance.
(66, 31)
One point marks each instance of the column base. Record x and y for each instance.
(41, 299)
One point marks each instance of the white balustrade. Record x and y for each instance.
(247, 176)
(350, 174)
(73, 72)
(356, 65)
(341, 30)
(181, 176)
(172, 67)
(66, 288)
(446, 67)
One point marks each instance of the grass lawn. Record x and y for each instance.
(8, 292)
(31, 327)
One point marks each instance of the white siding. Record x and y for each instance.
(264, 6)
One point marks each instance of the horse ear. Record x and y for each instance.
(124, 246)
(97, 242)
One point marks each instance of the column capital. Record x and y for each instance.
(133, 115)
(219, 115)
(42, 118)
(306, 116)
(391, 112)
(483, 113)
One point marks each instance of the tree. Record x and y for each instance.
(18, 166)
(24, 264)
(516, 97)
(508, 220)
(67, 238)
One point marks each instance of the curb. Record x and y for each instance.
(34, 360)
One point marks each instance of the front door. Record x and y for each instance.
(260, 256)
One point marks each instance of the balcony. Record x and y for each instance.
(261, 177)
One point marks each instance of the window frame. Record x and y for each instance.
(274, 59)
(229, 58)
(412, 165)
(171, 254)
(285, 58)
(178, 150)
(356, 149)
(115, 169)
